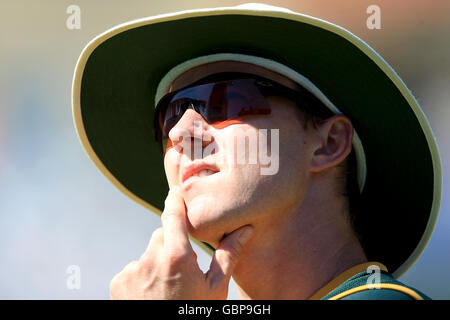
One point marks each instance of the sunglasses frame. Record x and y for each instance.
(303, 98)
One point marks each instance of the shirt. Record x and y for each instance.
(367, 281)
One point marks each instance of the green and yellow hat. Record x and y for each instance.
(123, 71)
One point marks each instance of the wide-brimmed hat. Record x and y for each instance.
(123, 71)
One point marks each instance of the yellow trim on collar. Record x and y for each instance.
(390, 286)
(336, 282)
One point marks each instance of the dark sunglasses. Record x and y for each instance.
(219, 99)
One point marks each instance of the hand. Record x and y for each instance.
(168, 269)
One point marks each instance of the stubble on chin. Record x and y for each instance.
(209, 223)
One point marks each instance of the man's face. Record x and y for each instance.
(223, 193)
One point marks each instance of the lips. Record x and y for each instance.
(197, 169)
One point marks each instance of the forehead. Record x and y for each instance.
(194, 74)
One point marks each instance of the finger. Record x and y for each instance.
(119, 281)
(155, 244)
(176, 238)
(157, 239)
(226, 256)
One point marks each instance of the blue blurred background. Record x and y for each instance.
(57, 209)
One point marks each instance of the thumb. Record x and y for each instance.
(226, 256)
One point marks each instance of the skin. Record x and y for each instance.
(297, 239)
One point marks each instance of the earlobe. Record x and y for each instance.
(334, 143)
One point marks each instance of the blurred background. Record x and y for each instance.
(57, 210)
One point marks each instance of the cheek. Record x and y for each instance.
(294, 161)
(245, 162)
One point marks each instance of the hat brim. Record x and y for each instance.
(118, 72)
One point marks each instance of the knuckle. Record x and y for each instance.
(120, 281)
(115, 285)
(156, 239)
(153, 247)
(168, 200)
(114, 281)
(164, 219)
(224, 256)
(158, 233)
(131, 268)
(166, 213)
(229, 252)
(178, 256)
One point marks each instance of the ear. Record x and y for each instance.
(334, 143)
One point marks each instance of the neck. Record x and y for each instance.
(294, 255)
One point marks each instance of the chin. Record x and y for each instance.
(207, 221)
(203, 222)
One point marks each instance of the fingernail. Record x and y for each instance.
(245, 234)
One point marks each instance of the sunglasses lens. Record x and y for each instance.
(245, 99)
(216, 102)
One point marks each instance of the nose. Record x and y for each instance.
(191, 134)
